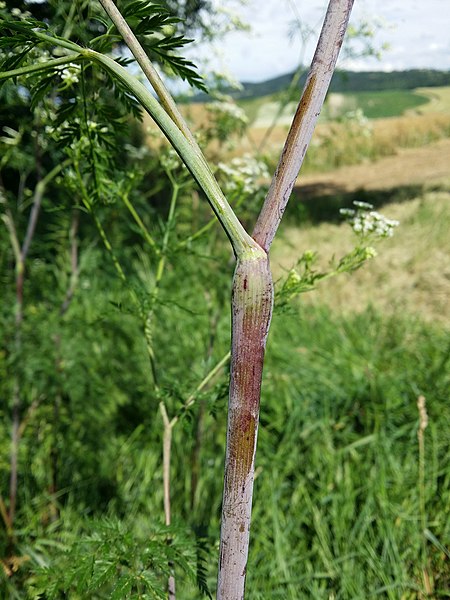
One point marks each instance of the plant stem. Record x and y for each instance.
(167, 448)
(88, 204)
(423, 424)
(40, 66)
(21, 254)
(149, 70)
(308, 110)
(162, 252)
(145, 232)
(251, 313)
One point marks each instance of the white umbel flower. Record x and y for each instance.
(366, 222)
(70, 74)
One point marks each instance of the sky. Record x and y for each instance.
(416, 32)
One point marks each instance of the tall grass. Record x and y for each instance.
(339, 461)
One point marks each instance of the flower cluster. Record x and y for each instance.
(358, 119)
(366, 222)
(70, 74)
(169, 159)
(229, 110)
(243, 175)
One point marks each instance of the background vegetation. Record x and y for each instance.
(352, 486)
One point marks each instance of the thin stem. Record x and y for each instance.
(148, 328)
(167, 449)
(55, 40)
(205, 228)
(166, 460)
(21, 254)
(212, 373)
(423, 424)
(109, 247)
(149, 70)
(87, 203)
(40, 66)
(316, 87)
(37, 200)
(146, 234)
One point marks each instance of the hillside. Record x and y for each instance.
(345, 81)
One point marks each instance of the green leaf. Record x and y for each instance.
(122, 588)
(103, 572)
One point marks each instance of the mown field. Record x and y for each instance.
(353, 128)
(375, 105)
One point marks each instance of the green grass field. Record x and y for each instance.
(392, 103)
(375, 105)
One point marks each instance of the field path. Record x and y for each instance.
(412, 273)
(410, 166)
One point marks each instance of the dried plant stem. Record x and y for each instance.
(423, 423)
(169, 425)
(167, 448)
(20, 254)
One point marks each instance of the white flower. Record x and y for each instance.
(228, 109)
(367, 222)
(243, 174)
(70, 74)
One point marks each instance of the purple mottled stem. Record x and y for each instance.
(251, 313)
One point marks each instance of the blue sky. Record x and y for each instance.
(417, 32)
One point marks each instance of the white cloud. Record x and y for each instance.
(416, 32)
